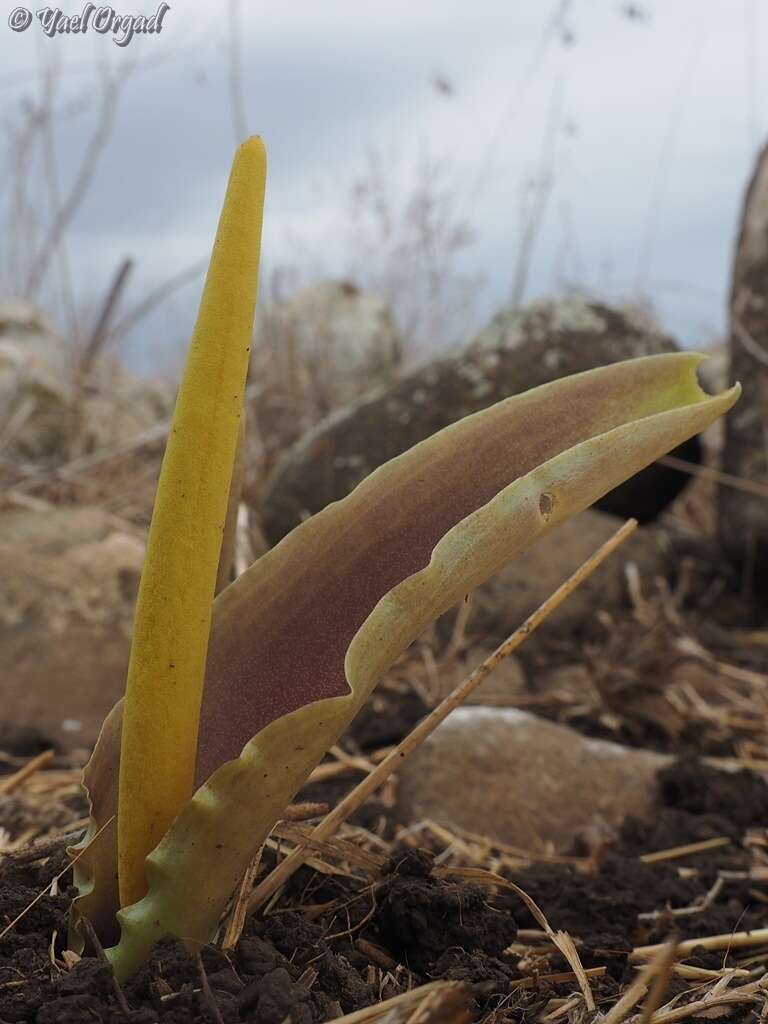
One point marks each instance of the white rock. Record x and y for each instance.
(504, 773)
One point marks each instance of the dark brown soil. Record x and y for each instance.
(335, 944)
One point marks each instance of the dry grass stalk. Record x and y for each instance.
(346, 764)
(738, 483)
(694, 908)
(453, 843)
(13, 782)
(664, 675)
(334, 848)
(529, 935)
(479, 848)
(322, 867)
(562, 1008)
(691, 973)
(277, 878)
(750, 993)
(236, 919)
(729, 940)
(629, 999)
(683, 851)
(67, 206)
(156, 298)
(439, 1002)
(560, 977)
(660, 970)
(100, 331)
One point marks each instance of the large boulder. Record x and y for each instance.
(68, 581)
(517, 351)
(744, 517)
(50, 411)
(317, 351)
(504, 773)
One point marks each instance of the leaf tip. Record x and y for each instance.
(726, 398)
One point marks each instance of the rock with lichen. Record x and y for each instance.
(518, 350)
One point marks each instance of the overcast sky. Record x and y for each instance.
(639, 122)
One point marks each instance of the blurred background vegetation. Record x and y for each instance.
(452, 159)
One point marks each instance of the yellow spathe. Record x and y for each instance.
(173, 611)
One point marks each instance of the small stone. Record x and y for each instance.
(506, 774)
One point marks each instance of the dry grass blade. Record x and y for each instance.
(562, 941)
(427, 726)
